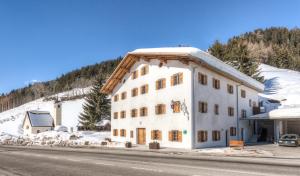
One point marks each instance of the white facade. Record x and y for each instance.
(189, 121)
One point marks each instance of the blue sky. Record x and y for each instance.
(42, 39)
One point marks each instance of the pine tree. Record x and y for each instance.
(96, 108)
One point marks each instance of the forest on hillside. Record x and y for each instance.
(79, 78)
(279, 47)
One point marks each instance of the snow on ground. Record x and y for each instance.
(11, 120)
(234, 152)
(58, 138)
(281, 84)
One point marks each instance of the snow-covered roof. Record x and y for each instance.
(189, 53)
(40, 119)
(281, 113)
(281, 84)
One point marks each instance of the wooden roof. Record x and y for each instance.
(131, 58)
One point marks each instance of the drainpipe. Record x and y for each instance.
(237, 112)
(193, 104)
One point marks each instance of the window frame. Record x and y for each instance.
(202, 78)
(230, 89)
(202, 107)
(160, 109)
(202, 136)
(216, 135)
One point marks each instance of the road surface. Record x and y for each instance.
(30, 162)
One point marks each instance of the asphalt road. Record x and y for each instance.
(29, 162)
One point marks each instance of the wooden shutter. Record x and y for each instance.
(146, 88)
(163, 109)
(159, 135)
(170, 136)
(179, 136)
(204, 79)
(156, 109)
(180, 78)
(147, 69)
(152, 134)
(124, 133)
(156, 84)
(163, 83)
(146, 111)
(172, 80)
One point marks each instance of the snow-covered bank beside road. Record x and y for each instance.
(57, 138)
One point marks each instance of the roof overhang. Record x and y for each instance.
(278, 114)
(185, 57)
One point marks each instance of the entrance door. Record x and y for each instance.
(141, 136)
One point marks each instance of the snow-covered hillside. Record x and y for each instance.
(11, 120)
(281, 84)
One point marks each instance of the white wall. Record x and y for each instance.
(165, 123)
(170, 121)
(222, 122)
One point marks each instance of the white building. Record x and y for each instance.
(36, 122)
(181, 97)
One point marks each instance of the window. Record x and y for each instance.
(243, 113)
(176, 106)
(27, 127)
(160, 109)
(250, 102)
(176, 79)
(143, 111)
(175, 135)
(115, 132)
(123, 95)
(116, 115)
(123, 114)
(243, 93)
(230, 111)
(216, 83)
(202, 107)
(123, 133)
(156, 135)
(144, 89)
(38, 131)
(160, 84)
(202, 136)
(134, 74)
(216, 135)
(134, 92)
(202, 79)
(232, 131)
(144, 70)
(229, 88)
(131, 134)
(134, 113)
(116, 98)
(216, 109)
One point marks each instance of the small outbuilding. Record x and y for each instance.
(36, 122)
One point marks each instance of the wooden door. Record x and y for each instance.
(141, 137)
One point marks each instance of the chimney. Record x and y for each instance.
(57, 113)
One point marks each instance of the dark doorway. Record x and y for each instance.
(263, 135)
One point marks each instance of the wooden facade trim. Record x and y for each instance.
(131, 58)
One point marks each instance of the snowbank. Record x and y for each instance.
(58, 138)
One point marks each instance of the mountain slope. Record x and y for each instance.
(275, 46)
(281, 84)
